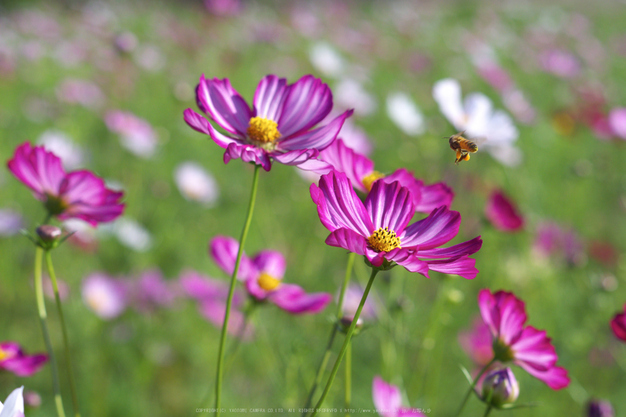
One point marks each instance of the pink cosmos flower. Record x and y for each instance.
(278, 127)
(502, 213)
(263, 276)
(106, 296)
(379, 228)
(525, 346)
(360, 171)
(352, 299)
(618, 324)
(388, 400)
(552, 240)
(476, 342)
(79, 194)
(212, 296)
(617, 122)
(13, 359)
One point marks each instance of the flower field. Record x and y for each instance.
(403, 208)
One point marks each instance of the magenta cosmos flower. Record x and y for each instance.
(379, 228)
(277, 127)
(263, 276)
(618, 324)
(13, 359)
(359, 169)
(502, 213)
(477, 342)
(79, 194)
(388, 400)
(525, 346)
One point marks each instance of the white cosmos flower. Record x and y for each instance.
(196, 184)
(475, 115)
(61, 145)
(405, 113)
(132, 235)
(14, 404)
(326, 59)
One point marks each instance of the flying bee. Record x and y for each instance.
(462, 147)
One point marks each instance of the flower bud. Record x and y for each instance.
(48, 232)
(345, 322)
(599, 408)
(500, 387)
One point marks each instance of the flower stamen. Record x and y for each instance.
(383, 240)
(268, 282)
(369, 179)
(263, 132)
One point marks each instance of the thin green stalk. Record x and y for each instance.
(66, 342)
(322, 366)
(342, 352)
(471, 388)
(348, 379)
(233, 280)
(43, 316)
(487, 411)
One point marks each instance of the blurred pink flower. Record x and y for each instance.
(150, 291)
(85, 93)
(263, 278)
(223, 7)
(502, 213)
(64, 289)
(352, 299)
(618, 324)
(136, 134)
(525, 346)
(552, 240)
(105, 296)
(196, 184)
(559, 62)
(617, 122)
(77, 194)
(13, 359)
(212, 295)
(388, 400)
(477, 342)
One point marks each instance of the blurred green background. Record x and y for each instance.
(163, 363)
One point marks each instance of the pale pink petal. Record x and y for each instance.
(309, 100)
(269, 97)
(224, 105)
(389, 205)
(435, 230)
(319, 138)
(202, 125)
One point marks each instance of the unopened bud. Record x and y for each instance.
(500, 387)
(345, 322)
(600, 408)
(48, 233)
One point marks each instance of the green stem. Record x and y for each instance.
(322, 366)
(348, 379)
(233, 280)
(487, 411)
(342, 352)
(43, 316)
(66, 343)
(471, 388)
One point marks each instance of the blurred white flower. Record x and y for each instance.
(62, 146)
(14, 404)
(132, 235)
(150, 58)
(350, 94)
(494, 130)
(105, 296)
(136, 134)
(326, 59)
(196, 184)
(405, 114)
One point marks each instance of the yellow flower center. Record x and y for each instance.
(268, 282)
(263, 132)
(383, 240)
(5, 355)
(369, 179)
